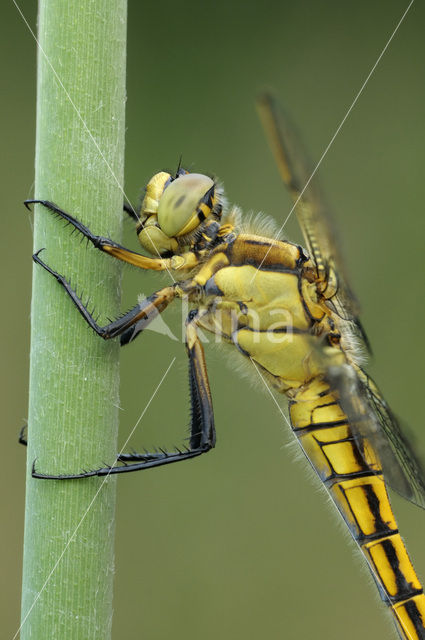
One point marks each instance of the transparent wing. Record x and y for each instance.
(373, 421)
(312, 212)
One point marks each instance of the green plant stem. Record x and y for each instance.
(73, 421)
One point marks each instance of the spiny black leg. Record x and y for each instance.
(131, 323)
(104, 244)
(98, 241)
(131, 211)
(23, 435)
(127, 207)
(202, 431)
(165, 458)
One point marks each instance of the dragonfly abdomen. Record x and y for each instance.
(352, 474)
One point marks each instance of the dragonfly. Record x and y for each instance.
(290, 312)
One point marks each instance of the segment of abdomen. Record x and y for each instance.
(352, 474)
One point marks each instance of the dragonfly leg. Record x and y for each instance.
(23, 439)
(105, 244)
(127, 326)
(131, 323)
(202, 431)
(131, 211)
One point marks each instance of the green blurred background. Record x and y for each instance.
(240, 542)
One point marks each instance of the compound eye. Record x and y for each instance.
(185, 203)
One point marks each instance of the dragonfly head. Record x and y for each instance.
(175, 208)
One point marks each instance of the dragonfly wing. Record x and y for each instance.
(373, 421)
(312, 212)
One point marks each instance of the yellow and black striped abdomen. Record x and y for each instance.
(352, 473)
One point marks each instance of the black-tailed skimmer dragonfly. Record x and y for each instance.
(290, 311)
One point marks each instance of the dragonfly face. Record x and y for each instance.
(175, 210)
(291, 312)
